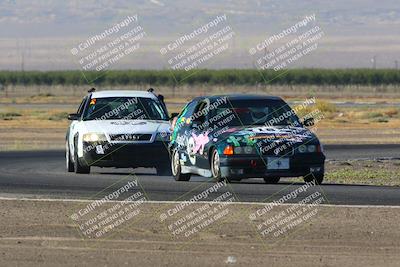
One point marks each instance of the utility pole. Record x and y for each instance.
(23, 61)
(266, 52)
(396, 64)
(22, 51)
(373, 60)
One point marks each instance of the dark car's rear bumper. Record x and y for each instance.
(244, 166)
(127, 155)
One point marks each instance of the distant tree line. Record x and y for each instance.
(212, 77)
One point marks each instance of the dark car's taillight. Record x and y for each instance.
(228, 150)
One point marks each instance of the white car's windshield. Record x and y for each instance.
(129, 108)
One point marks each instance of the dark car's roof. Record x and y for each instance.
(240, 97)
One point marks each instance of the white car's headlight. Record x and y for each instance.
(244, 150)
(94, 137)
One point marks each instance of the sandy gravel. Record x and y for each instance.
(41, 233)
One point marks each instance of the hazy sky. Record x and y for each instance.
(40, 34)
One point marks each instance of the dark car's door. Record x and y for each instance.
(182, 131)
(200, 135)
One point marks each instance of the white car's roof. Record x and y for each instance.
(122, 93)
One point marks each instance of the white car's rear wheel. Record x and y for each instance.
(163, 170)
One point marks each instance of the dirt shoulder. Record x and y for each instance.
(41, 233)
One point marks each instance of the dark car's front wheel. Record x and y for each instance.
(69, 164)
(176, 168)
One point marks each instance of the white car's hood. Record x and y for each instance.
(125, 126)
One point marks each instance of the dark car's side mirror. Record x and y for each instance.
(309, 122)
(73, 117)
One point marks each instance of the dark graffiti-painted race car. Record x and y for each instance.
(244, 136)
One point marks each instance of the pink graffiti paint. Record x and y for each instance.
(200, 141)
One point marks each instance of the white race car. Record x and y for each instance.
(119, 129)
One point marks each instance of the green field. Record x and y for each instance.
(205, 77)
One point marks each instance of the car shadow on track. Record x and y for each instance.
(252, 181)
(127, 173)
(302, 183)
(260, 182)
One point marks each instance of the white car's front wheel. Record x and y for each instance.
(68, 162)
(78, 167)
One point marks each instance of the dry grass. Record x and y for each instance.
(32, 128)
(373, 172)
(367, 172)
(50, 94)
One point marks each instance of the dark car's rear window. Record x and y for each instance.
(257, 112)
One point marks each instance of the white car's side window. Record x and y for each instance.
(81, 106)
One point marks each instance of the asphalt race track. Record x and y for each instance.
(41, 174)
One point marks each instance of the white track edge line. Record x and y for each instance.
(209, 202)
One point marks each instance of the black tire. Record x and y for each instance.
(215, 166)
(176, 168)
(78, 167)
(163, 170)
(318, 178)
(68, 162)
(271, 180)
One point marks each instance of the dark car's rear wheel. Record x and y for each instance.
(176, 168)
(78, 167)
(271, 180)
(318, 178)
(215, 166)
(68, 162)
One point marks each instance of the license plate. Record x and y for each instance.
(99, 149)
(276, 163)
